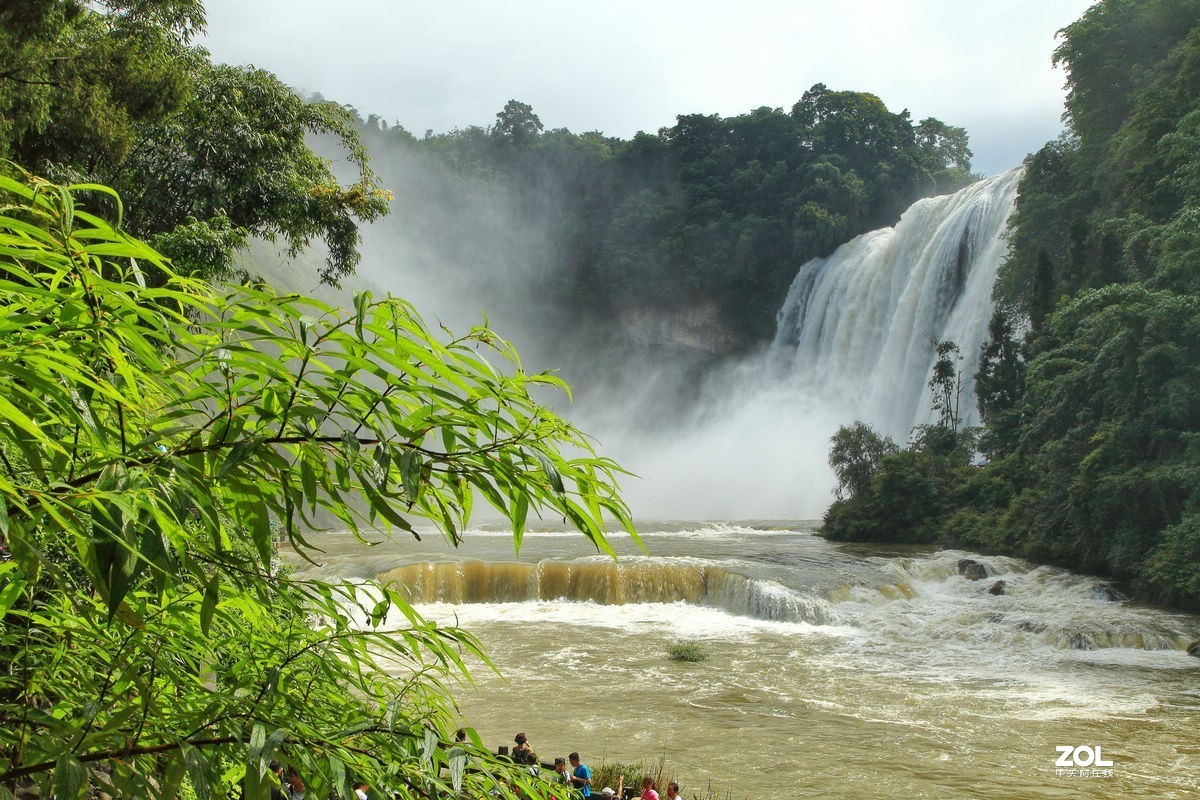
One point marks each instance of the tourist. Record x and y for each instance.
(673, 791)
(360, 790)
(530, 760)
(277, 785)
(581, 776)
(293, 786)
(523, 747)
(648, 792)
(561, 773)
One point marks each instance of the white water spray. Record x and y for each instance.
(862, 324)
(856, 341)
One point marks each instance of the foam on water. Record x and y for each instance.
(677, 620)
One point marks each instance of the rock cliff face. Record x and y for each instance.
(698, 327)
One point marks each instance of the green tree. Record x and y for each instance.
(855, 456)
(946, 384)
(113, 92)
(516, 124)
(79, 77)
(1000, 382)
(149, 437)
(945, 153)
(856, 132)
(237, 158)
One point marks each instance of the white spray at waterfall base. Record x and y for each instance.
(856, 340)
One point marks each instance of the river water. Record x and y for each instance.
(833, 671)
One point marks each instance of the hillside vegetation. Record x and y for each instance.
(161, 432)
(1090, 384)
(714, 209)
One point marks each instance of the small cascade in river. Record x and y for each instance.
(861, 325)
(1037, 606)
(627, 582)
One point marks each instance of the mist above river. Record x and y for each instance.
(705, 436)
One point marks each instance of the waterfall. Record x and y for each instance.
(859, 327)
(855, 340)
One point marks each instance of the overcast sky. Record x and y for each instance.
(621, 66)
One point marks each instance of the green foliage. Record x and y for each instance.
(910, 493)
(151, 435)
(1112, 54)
(855, 456)
(686, 651)
(946, 384)
(517, 125)
(1098, 469)
(1169, 571)
(78, 77)
(1107, 203)
(624, 774)
(112, 92)
(1000, 382)
(885, 494)
(1112, 417)
(236, 158)
(720, 210)
(1093, 419)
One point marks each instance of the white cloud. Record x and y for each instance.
(624, 66)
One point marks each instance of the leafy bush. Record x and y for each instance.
(629, 775)
(686, 651)
(149, 437)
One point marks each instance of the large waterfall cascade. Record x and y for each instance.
(860, 326)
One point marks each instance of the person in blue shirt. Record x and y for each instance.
(581, 776)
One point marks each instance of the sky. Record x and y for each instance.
(623, 66)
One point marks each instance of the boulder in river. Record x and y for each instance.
(971, 569)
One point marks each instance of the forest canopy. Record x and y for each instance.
(114, 92)
(719, 209)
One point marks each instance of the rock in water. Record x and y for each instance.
(971, 569)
